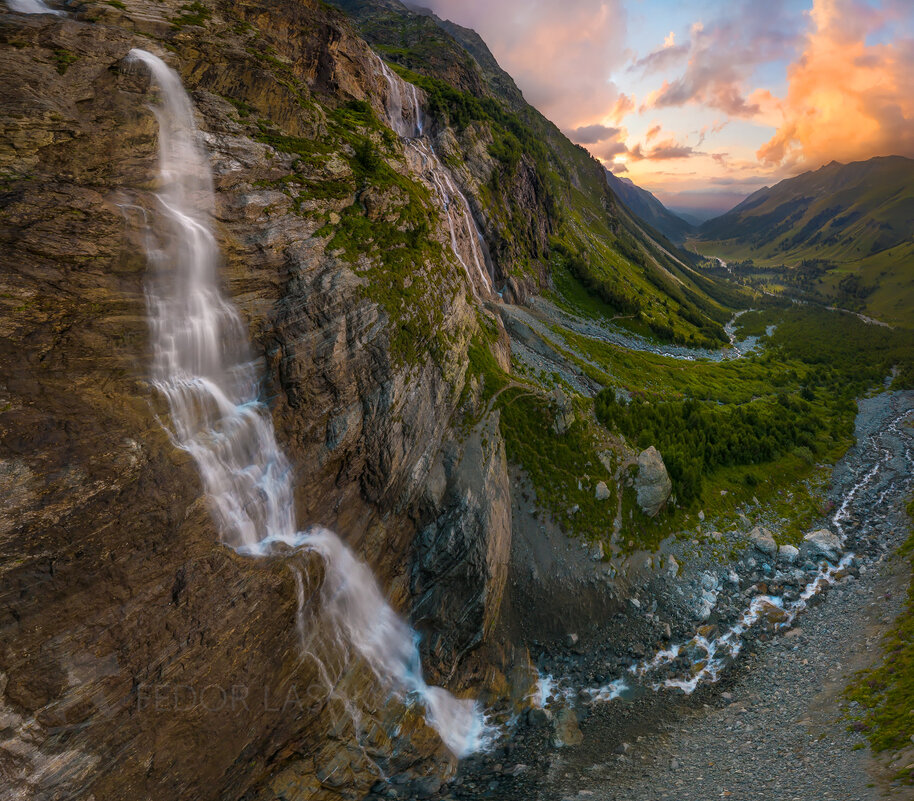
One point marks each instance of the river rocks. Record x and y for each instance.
(788, 554)
(566, 731)
(762, 540)
(652, 484)
(821, 543)
(602, 491)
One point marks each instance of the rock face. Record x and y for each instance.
(821, 543)
(652, 483)
(461, 558)
(132, 641)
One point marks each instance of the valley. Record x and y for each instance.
(332, 371)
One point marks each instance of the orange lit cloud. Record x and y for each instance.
(846, 100)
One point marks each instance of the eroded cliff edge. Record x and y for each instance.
(117, 600)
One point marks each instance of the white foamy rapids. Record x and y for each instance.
(709, 657)
(31, 7)
(359, 617)
(203, 367)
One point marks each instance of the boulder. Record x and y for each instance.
(566, 729)
(762, 540)
(821, 543)
(564, 411)
(652, 484)
(788, 554)
(602, 492)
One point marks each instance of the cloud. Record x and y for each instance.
(562, 55)
(661, 59)
(610, 150)
(847, 100)
(624, 105)
(653, 131)
(662, 151)
(591, 134)
(722, 56)
(618, 168)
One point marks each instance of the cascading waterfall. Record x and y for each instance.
(453, 201)
(31, 7)
(204, 368)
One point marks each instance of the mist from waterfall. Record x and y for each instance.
(204, 367)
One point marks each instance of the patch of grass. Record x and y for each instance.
(192, 14)
(63, 59)
(886, 692)
(563, 468)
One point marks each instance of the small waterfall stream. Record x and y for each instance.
(204, 367)
(32, 7)
(405, 118)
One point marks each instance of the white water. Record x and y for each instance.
(203, 366)
(710, 657)
(407, 122)
(31, 7)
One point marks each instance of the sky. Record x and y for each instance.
(704, 101)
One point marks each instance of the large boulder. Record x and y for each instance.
(821, 544)
(652, 484)
(762, 540)
(788, 554)
(566, 729)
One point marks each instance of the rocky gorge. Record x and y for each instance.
(388, 264)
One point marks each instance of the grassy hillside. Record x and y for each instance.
(843, 233)
(647, 208)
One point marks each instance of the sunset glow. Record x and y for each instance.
(704, 102)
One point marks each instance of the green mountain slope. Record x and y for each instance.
(544, 204)
(645, 206)
(844, 232)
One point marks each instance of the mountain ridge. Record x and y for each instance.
(841, 232)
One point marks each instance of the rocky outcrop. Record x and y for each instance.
(132, 642)
(652, 482)
(461, 560)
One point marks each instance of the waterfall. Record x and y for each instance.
(204, 368)
(31, 7)
(453, 202)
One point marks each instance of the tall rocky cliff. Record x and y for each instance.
(139, 658)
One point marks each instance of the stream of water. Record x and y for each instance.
(466, 239)
(31, 7)
(204, 367)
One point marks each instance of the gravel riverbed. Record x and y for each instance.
(773, 727)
